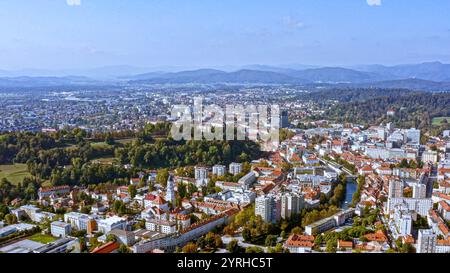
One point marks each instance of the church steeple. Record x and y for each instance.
(170, 190)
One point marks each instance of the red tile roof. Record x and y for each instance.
(106, 248)
(296, 240)
(378, 236)
(345, 244)
(445, 206)
(57, 188)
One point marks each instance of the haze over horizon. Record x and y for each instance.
(87, 34)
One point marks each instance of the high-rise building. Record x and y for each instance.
(284, 119)
(219, 170)
(201, 173)
(235, 168)
(170, 190)
(403, 219)
(263, 207)
(426, 241)
(413, 135)
(381, 133)
(276, 209)
(395, 188)
(268, 207)
(291, 204)
(419, 190)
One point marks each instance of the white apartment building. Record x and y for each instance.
(291, 204)
(219, 170)
(419, 205)
(34, 213)
(110, 223)
(60, 229)
(443, 246)
(329, 222)
(77, 220)
(426, 241)
(268, 207)
(403, 220)
(430, 157)
(162, 226)
(419, 190)
(395, 188)
(247, 180)
(263, 207)
(235, 168)
(201, 173)
(413, 135)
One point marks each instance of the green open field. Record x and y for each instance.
(100, 145)
(41, 238)
(104, 160)
(439, 120)
(14, 173)
(125, 140)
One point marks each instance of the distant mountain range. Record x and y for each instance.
(26, 81)
(432, 76)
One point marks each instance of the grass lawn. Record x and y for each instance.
(100, 145)
(104, 160)
(14, 173)
(41, 238)
(125, 140)
(438, 121)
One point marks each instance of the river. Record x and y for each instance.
(350, 190)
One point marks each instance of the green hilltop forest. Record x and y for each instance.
(412, 109)
(70, 157)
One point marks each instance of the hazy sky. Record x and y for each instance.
(90, 33)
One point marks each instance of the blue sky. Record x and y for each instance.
(60, 34)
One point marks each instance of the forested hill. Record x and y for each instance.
(80, 158)
(355, 94)
(411, 110)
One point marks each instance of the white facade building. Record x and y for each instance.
(247, 180)
(395, 188)
(60, 229)
(419, 190)
(201, 173)
(77, 220)
(430, 157)
(413, 135)
(235, 168)
(219, 170)
(108, 224)
(426, 241)
(268, 207)
(420, 205)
